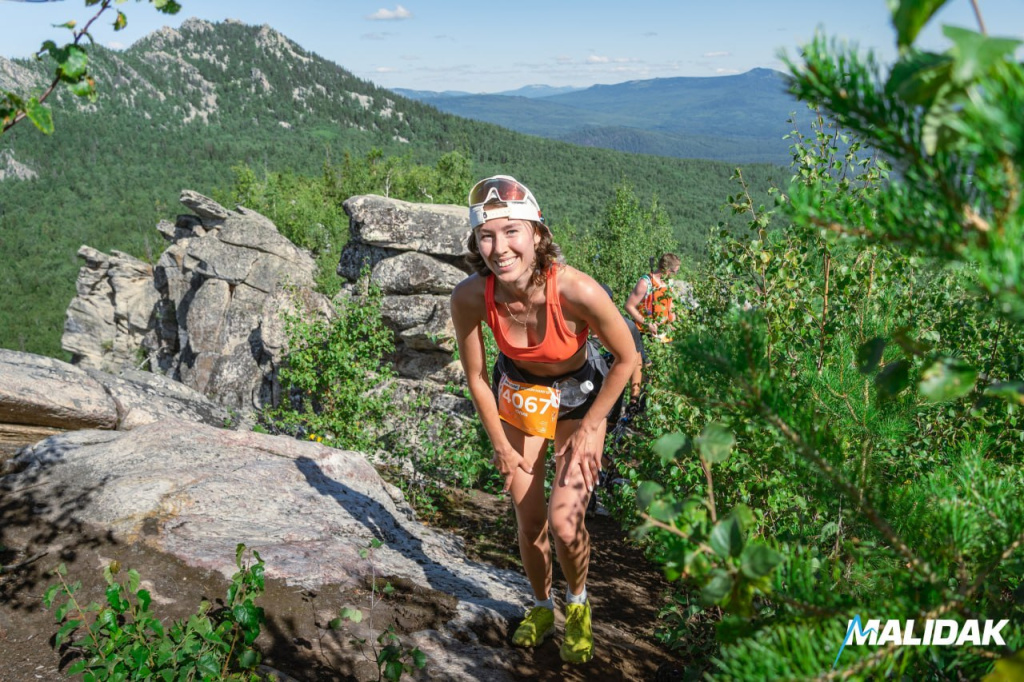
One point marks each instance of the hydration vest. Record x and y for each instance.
(657, 303)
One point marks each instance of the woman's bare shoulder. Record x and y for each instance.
(577, 285)
(469, 293)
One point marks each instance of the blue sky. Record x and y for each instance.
(494, 46)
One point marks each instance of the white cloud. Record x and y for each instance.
(384, 69)
(563, 59)
(651, 34)
(717, 54)
(398, 12)
(726, 72)
(597, 59)
(114, 45)
(375, 36)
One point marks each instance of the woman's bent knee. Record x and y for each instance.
(569, 530)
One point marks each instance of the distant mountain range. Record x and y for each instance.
(740, 119)
(525, 91)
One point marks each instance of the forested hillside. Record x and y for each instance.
(180, 108)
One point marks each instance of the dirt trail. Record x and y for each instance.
(626, 593)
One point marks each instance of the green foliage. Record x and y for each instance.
(392, 658)
(335, 381)
(445, 454)
(125, 640)
(399, 177)
(619, 249)
(861, 356)
(308, 211)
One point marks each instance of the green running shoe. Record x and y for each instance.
(578, 645)
(538, 623)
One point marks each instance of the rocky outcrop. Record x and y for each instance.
(113, 311)
(416, 254)
(11, 169)
(37, 391)
(208, 314)
(17, 78)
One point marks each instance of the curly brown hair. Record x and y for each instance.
(548, 254)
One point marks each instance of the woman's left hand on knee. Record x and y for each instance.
(583, 448)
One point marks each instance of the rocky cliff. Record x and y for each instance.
(209, 313)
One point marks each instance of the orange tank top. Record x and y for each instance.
(558, 345)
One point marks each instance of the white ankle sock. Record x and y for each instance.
(580, 598)
(548, 603)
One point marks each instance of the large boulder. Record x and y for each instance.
(195, 491)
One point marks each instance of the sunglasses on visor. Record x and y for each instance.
(517, 202)
(500, 188)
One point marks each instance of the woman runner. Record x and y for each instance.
(540, 311)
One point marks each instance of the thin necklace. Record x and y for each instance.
(529, 309)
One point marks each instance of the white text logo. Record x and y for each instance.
(935, 633)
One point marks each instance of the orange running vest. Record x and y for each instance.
(657, 302)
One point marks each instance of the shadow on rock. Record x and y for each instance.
(25, 544)
(383, 525)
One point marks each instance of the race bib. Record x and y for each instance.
(530, 408)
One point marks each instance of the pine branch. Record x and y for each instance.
(856, 495)
(983, 575)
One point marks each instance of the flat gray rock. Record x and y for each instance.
(41, 391)
(196, 491)
(433, 229)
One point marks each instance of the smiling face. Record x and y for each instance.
(508, 247)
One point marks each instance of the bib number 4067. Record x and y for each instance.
(531, 404)
(530, 408)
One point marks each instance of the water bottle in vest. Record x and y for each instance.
(574, 392)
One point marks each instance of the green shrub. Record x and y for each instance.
(125, 640)
(837, 433)
(335, 377)
(621, 247)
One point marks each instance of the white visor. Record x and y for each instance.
(513, 210)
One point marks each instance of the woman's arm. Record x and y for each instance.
(467, 308)
(587, 301)
(633, 307)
